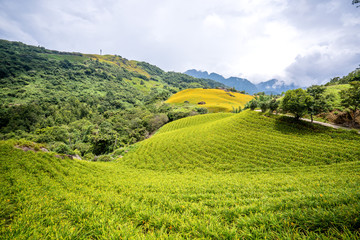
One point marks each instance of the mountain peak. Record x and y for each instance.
(272, 86)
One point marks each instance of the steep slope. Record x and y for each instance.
(243, 142)
(216, 100)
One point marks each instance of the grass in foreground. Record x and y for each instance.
(216, 100)
(47, 197)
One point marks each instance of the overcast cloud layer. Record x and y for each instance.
(305, 41)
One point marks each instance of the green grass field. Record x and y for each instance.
(214, 176)
(216, 100)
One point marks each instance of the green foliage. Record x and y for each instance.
(332, 93)
(273, 105)
(202, 110)
(237, 110)
(252, 104)
(318, 102)
(264, 102)
(351, 99)
(104, 158)
(264, 106)
(62, 148)
(296, 102)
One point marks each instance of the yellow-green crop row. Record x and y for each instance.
(216, 100)
(243, 142)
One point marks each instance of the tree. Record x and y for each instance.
(318, 102)
(264, 106)
(356, 2)
(253, 104)
(273, 105)
(351, 99)
(296, 102)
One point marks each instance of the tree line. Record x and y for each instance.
(312, 101)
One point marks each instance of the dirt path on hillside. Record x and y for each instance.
(321, 123)
(329, 124)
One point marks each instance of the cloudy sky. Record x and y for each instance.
(304, 41)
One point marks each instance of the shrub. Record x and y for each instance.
(61, 147)
(89, 156)
(104, 158)
(202, 110)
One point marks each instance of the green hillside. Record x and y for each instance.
(216, 176)
(243, 142)
(334, 90)
(29, 73)
(85, 104)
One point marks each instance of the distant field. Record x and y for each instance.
(213, 176)
(216, 100)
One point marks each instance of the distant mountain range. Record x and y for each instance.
(272, 86)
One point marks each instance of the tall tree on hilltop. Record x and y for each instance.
(296, 101)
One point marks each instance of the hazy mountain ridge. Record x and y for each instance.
(272, 86)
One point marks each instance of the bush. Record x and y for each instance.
(202, 110)
(104, 158)
(157, 121)
(89, 156)
(264, 106)
(253, 104)
(61, 147)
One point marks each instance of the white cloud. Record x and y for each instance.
(214, 21)
(297, 41)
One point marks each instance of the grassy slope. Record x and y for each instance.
(119, 61)
(335, 90)
(300, 189)
(216, 100)
(243, 142)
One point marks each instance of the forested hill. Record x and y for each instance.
(91, 103)
(29, 73)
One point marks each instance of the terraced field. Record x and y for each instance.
(243, 142)
(214, 176)
(216, 100)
